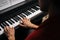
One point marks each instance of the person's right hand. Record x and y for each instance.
(26, 22)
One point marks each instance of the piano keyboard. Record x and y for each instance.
(13, 22)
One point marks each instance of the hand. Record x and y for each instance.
(26, 22)
(10, 32)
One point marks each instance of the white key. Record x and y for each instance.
(19, 17)
(9, 21)
(9, 24)
(17, 23)
(30, 11)
(2, 24)
(1, 30)
(33, 9)
(34, 14)
(38, 7)
(13, 20)
(24, 14)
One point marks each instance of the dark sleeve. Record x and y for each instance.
(44, 24)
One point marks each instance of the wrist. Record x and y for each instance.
(11, 38)
(34, 26)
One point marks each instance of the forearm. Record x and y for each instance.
(42, 25)
(34, 26)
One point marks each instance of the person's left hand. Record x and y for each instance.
(10, 32)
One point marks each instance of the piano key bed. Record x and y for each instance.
(16, 20)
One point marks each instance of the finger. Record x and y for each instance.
(29, 19)
(22, 25)
(12, 28)
(24, 18)
(21, 20)
(4, 28)
(7, 27)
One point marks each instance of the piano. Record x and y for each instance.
(12, 15)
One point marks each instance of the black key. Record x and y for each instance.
(10, 22)
(2, 25)
(21, 15)
(34, 7)
(6, 24)
(18, 17)
(31, 10)
(15, 19)
(37, 6)
(27, 13)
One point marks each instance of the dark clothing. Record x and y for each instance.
(50, 30)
